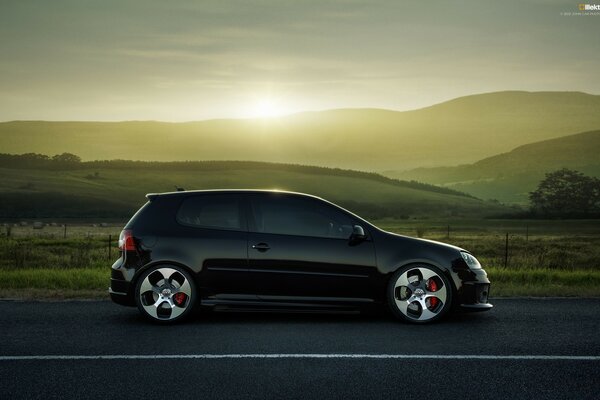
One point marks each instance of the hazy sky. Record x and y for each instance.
(191, 60)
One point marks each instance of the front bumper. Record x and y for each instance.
(474, 294)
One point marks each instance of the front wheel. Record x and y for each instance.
(165, 294)
(419, 294)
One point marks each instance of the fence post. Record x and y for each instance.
(448, 232)
(506, 252)
(527, 233)
(65, 232)
(109, 246)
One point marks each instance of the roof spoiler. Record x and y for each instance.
(152, 196)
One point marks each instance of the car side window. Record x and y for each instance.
(300, 217)
(212, 212)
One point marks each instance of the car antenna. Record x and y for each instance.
(179, 189)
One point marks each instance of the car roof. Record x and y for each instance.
(185, 193)
(152, 196)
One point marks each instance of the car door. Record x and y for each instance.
(299, 250)
(214, 229)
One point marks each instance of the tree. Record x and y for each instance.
(566, 193)
(66, 158)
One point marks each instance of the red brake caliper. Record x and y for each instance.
(179, 298)
(432, 287)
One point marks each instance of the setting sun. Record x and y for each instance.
(267, 108)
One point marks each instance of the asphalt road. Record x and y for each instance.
(526, 327)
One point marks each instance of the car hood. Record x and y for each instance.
(424, 242)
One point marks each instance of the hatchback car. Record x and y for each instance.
(275, 251)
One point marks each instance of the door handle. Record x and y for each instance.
(261, 247)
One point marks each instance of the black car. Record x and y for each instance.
(272, 250)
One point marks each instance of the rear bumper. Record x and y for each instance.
(120, 292)
(120, 289)
(124, 299)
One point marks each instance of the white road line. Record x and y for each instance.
(308, 356)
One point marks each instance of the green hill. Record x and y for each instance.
(511, 176)
(117, 188)
(455, 132)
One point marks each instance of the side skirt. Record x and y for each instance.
(285, 303)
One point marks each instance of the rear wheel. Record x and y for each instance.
(165, 294)
(419, 294)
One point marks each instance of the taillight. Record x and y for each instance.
(126, 242)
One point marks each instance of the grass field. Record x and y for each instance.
(545, 258)
(114, 189)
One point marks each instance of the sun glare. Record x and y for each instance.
(267, 108)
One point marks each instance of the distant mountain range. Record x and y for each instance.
(509, 177)
(456, 132)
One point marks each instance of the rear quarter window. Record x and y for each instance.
(137, 216)
(212, 212)
(155, 216)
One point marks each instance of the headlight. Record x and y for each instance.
(470, 260)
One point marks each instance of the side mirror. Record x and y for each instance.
(358, 234)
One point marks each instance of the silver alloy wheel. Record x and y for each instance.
(165, 294)
(420, 294)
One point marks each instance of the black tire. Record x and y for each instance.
(158, 294)
(399, 296)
